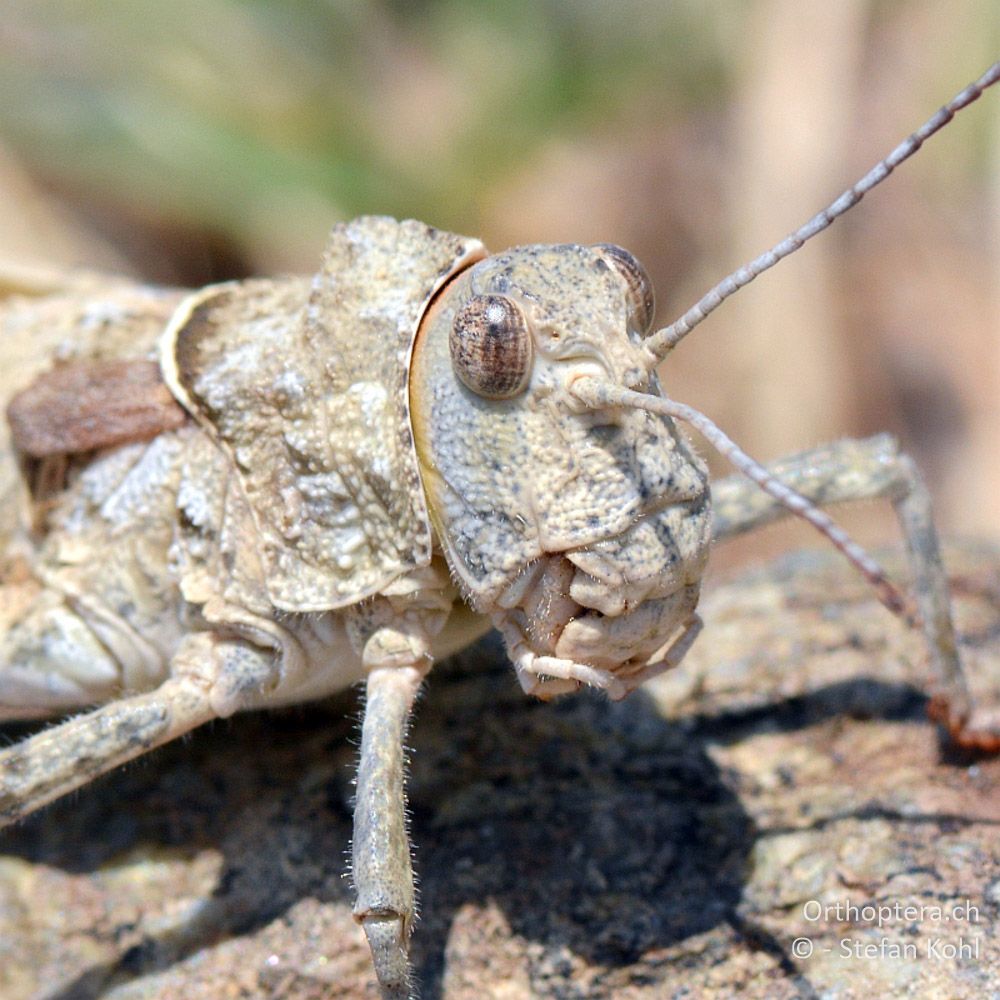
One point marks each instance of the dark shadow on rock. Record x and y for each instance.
(859, 698)
(595, 827)
(270, 793)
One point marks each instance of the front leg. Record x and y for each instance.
(395, 650)
(383, 874)
(870, 469)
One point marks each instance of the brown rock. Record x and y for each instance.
(676, 844)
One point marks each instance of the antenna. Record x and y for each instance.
(661, 343)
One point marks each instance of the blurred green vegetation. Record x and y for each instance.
(196, 140)
(239, 115)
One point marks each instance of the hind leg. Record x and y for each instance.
(209, 677)
(871, 469)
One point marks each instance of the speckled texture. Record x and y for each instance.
(583, 533)
(305, 384)
(661, 847)
(87, 319)
(108, 550)
(510, 480)
(312, 501)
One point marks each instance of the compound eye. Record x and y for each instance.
(639, 294)
(491, 347)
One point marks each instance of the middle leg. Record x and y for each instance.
(206, 672)
(872, 469)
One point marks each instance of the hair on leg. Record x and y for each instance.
(873, 469)
(64, 757)
(385, 903)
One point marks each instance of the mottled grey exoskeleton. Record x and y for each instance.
(269, 490)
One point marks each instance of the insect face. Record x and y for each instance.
(585, 531)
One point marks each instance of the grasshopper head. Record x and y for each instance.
(582, 532)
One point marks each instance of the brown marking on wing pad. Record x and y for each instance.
(87, 405)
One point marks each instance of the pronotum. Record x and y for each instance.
(303, 484)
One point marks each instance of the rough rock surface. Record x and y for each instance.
(680, 844)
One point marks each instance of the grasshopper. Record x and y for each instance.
(265, 492)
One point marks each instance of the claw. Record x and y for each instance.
(978, 731)
(389, 945)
